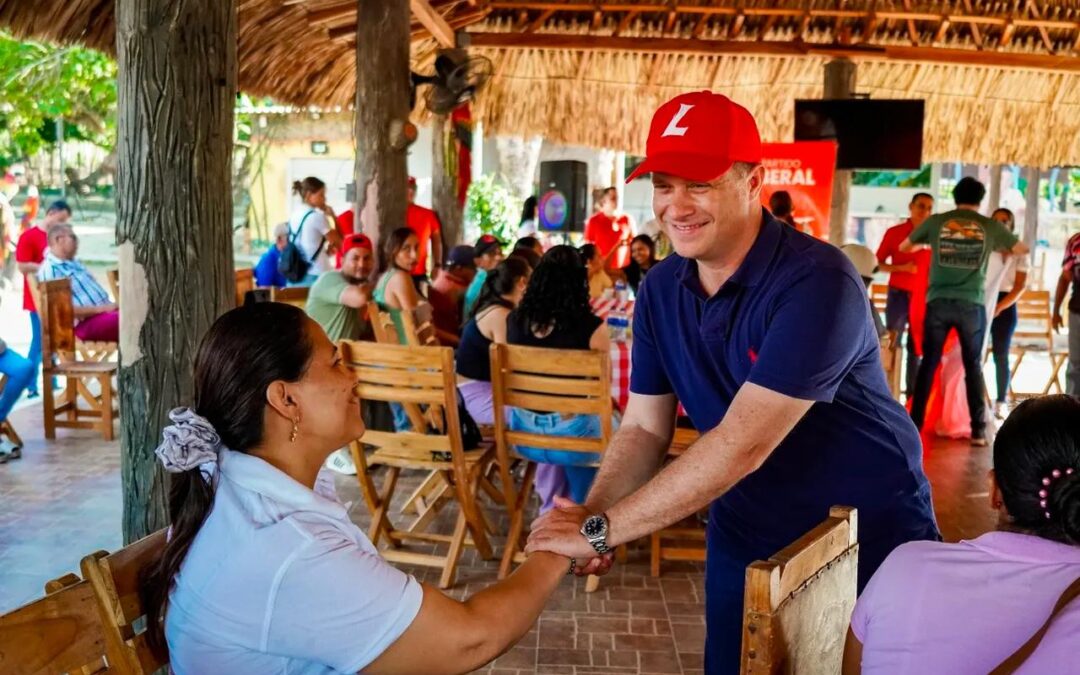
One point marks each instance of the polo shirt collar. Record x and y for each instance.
(754, 265)
(256, 475)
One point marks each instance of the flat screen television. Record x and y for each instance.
(871, 133)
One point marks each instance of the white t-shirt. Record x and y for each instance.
(279, 580)
(315, 228)
(1013, 264)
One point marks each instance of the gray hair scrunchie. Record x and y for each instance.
(188, 443)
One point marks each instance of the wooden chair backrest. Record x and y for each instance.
(570, 382)
(419, 326)
(798, 603)
(1034, 319)
(891, 362)
(413, 377)
(296, 296)
(57, 321)
(115, 578)
(382, 324)
(113, 277)
(879, 295)
(245, 281)
(59, 633)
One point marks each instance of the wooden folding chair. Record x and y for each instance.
(59, 633)
(419, 326)
(245, 281)
(1034, 332)
(879, 297)
(798, 603)
(79, 408)
(87, 351)
(115, 580)
(113, 276)
(6, 427)
(685, 540)
(892, 359)
(293, 295)
(382, 324)
(570, 382)
(414, 377)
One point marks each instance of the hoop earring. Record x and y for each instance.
(295, 430)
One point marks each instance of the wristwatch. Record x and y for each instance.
(595, 529)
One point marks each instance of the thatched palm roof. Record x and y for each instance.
(1001, 77)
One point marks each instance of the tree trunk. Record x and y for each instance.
(176, 88)
(840, 76)
(444, 181)
(382, 110)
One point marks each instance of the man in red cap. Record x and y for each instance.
(425, 223)
(765, 336)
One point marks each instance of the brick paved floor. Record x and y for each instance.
(62, 501)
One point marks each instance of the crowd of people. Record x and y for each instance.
(761, 336)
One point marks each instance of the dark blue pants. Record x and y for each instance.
(897, 312)
(725, 580)
(1001, 334)
(969, 321)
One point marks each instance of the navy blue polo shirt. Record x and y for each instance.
(794, 318)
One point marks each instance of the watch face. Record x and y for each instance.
(595, 526)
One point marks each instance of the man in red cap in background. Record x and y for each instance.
(765, 336)
(425, 223)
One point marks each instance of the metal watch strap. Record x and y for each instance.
(600, 546)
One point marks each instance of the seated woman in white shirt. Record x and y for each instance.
(964, 608)
(262, 574)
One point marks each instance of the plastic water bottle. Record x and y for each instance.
(617, 325)
(621, 293)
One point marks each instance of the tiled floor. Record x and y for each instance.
(62, 501)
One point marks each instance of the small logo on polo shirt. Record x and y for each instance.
(752, 353)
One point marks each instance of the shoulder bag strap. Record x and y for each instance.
(1011, 664)
(300, 227)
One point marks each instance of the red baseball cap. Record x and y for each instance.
(412, 181)
(698, 136)
(357, 240)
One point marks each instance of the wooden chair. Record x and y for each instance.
(245, 281)
(1034, 332)
(892, 359)
(6, 427)
(115, 580)
(113, 277)
(419, 326)
(58, 359)
(382, 324)
(798, 603)
(685, 540)
(87, 351)
(547, 381)
(414, 377)
(879, 296)
(293, 295)
(59, 633)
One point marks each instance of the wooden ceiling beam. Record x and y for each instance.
(433, 21)
(1007, 34)
(976, 34)
(625, 22)
(540, 21)
(943, 27)
(670, 45)
(737, 25)
(1033, 10)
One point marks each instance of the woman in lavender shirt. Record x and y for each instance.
(964, 608)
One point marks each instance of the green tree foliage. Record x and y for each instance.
(40, 83)
(491, 207)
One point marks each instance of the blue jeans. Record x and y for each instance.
(969, 321)
(897, 319)
(401, 419)
(579, 475)
(1001, 334)
(20, 373)
(35, 348)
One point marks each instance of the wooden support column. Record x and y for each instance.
(1031, 208)
(176, 86)
(839, 83)
(382, 113)
(444, 198)
(994, 188)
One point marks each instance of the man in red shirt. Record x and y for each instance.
(447, 293)
(425, 223)
(903, 268)
(29, 254)
(611, 232)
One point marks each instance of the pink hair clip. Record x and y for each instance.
(1045, 492)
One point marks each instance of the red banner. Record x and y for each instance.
(805, 170)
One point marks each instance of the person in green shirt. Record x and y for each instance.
(961, 242)
(338, 300)
(488, 255)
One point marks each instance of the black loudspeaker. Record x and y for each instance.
(563, 196)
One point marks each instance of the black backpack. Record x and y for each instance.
(292, 264)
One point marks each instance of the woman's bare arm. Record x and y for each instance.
(448, 636)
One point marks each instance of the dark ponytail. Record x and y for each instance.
(1041, 437)
(501, 281)
(243, 352)
(309, 185)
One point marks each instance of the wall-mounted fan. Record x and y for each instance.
(457, 79)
